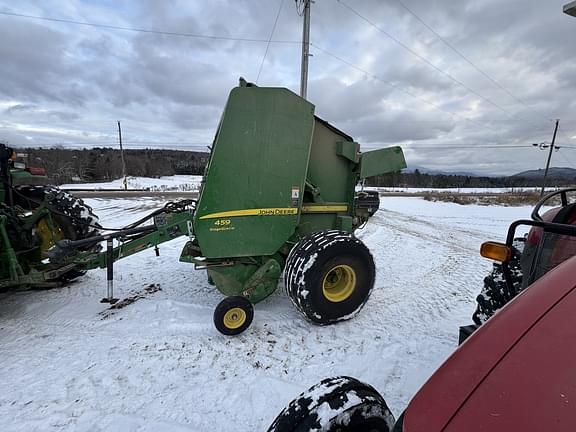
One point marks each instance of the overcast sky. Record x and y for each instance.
(460, 85)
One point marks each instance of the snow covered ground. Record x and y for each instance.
(68, 364)
(192, 183)
(171, 183)
(459, 190)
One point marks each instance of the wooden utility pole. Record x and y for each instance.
(549, 157)
(305, 50)
(122, 157)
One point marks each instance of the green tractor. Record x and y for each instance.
(33, 217)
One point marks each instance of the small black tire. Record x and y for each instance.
(495, 292)
(233, 315)
(341, 404)
(329, 276)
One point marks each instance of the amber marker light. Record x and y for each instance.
(496, 251)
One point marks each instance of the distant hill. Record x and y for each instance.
(559, 173)
(424, 170)
(554, 173)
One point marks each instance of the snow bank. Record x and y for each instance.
(170, 183)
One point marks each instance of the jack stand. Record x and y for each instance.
(110, 273)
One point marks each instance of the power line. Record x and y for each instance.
(269, 39)
(133, 145)
(105, 122)
(568, 147)
(477, 145)
(465, 147)
(391, 84)
(568, 139)
(425, 60)
(467, 60)
(132, 142)
(164, 142)
(141, 30)
(198, 144)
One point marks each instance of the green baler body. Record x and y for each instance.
(276, 173)
(260, 153)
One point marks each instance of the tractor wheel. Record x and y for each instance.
(495, 293)
(329, 276)
(71, 219)
(233, 315)
(336, 404)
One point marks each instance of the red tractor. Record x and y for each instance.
(515, 373)
(522, 260)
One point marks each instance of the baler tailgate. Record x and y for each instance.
(381, 161)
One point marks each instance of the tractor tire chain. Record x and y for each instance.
(75, 215)
(495, 292)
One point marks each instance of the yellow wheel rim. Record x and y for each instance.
(234, 318)
(48, 236)
(339, 283)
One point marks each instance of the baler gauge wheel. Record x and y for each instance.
(233, 315)
(329, 276)
(234, 318)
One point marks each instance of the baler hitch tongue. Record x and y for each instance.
(65, 248)
(169, 217)
(60, 251)
(170, 222)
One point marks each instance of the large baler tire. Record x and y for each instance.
(495, 292)
(329, 276)
(340, 404)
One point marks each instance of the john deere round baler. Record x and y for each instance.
(279, 196)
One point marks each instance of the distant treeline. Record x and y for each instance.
(418, 179)
(104, 164)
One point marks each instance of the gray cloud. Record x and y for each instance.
(61, 83)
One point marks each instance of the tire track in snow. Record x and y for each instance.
(160, 361)
(445, 266)
(428, 273)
